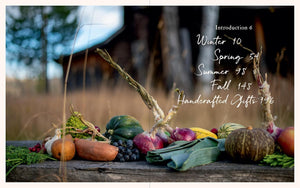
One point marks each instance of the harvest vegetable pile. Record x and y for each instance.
(179, 148)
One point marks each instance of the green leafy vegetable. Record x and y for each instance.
(77, 128)
(183, 155)
(21, 155)
(73, 124)
(278, 159)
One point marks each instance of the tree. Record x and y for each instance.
(175, 70)
(39, 34)
(210, 18)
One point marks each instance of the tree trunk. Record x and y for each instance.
(139, 47)
(173, 64)
(44, 45)
(186, 48)
(210, 17)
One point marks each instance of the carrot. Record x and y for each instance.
(95, 151)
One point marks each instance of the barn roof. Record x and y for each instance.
(105, 44)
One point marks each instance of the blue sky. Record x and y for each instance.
(97, 24)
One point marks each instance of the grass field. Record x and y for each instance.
(30, 116)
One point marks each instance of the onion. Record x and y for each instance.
(183, 134)
(164, 137)
(146, 142)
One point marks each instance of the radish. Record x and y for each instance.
(214, 130)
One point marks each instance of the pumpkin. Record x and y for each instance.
(123, 128)
(63, 149)
(227, 128)
(249, 144)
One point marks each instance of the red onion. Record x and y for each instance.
(146, 142)
(164, 137)
(274, 130)
(183, 134)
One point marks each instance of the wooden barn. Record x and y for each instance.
(158, 45)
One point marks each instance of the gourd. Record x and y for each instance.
(63, 149)
(227, 128)
(202, 133)
(122, 127)
(249, 144)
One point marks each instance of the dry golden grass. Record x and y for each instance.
(29, 117)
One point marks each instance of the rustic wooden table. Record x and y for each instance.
(141, 171)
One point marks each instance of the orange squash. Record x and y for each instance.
(63, 149)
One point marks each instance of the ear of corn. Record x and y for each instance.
(202, 133)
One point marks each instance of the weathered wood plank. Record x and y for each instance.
(141, 171)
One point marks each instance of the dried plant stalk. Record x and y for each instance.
(174, 108)
(264, 93)
(264, 89)
(147, 98)
(161, 121)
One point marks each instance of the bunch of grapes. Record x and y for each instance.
(38, 148)
(127, 151)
